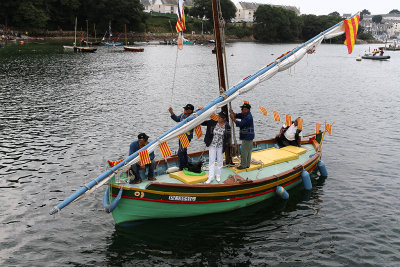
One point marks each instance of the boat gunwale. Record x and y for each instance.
(255, 184)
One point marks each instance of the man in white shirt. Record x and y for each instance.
(289, 135)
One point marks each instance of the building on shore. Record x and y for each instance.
(245, 11)
(388, 28)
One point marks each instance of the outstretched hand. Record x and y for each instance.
(171, 110)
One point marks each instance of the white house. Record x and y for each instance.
(245, 10)
(166, 6)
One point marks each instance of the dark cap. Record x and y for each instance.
(222, 115)
(189, 106)
(245, 105)
(143, 136)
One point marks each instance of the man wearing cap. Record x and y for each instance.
(182, 152)
(246, 125)
(137, 169)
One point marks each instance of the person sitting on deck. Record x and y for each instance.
(246, 126)
(289, 135)
(182, 152)
(218, 136)
(137, 169)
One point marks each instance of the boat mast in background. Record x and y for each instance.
(221, 73)
(87, 33)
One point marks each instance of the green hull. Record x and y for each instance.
(147, 210)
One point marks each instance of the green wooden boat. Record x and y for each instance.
(172, 196)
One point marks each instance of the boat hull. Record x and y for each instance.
(376, 57)
(133, 49)
(166, 200)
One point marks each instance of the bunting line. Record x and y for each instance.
(144, 157)
(198, 131)
(184, 140)
(165, 150)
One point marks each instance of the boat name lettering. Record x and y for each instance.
(181, 198)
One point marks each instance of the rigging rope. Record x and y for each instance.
(173, 80)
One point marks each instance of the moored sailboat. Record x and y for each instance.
(177, 194)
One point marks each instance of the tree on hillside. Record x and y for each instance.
(203, 8)
(335, 13)
(313, 25)
(377, 19)
(276, 24)
(394, 11)
(365, 12)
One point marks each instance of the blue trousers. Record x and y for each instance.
(183, 156)
(140, 173)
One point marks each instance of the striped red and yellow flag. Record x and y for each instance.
(198, 131)
(288, 120)
(351, 28)
(317, 127)
(246, 102)
(165, 150)
(300, 123)
(113, 163)
(214, 117)
(144, 157)
(184, 140)
(180, 24)
(263, 110)
(328, 128)
(276, 115)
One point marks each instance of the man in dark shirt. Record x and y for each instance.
(137, 169)
(246, 125)
(182, 152)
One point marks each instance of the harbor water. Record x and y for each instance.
(63, 115)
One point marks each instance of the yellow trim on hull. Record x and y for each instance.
(226, 193)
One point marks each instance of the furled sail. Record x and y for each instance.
(280, 64)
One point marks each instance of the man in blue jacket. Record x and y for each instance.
(246, 125)
(182, 152)
(138, 169)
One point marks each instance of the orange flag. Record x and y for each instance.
(328, 127)
(288, 121)
(165, 150)
(300, 123)
(214, 117)
(246, 102)
(351, 28)
(198, 131)
(184, 140)
(317, 127)
(144, 157)
(276, 115)
(113, 163)
(263, 110)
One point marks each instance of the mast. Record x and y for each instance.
(76, 22)
(87, 33)
(94, 28)
(221, 73)
(125, 36)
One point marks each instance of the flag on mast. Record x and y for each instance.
(351, 28)
(263, 110)
(180, 24)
